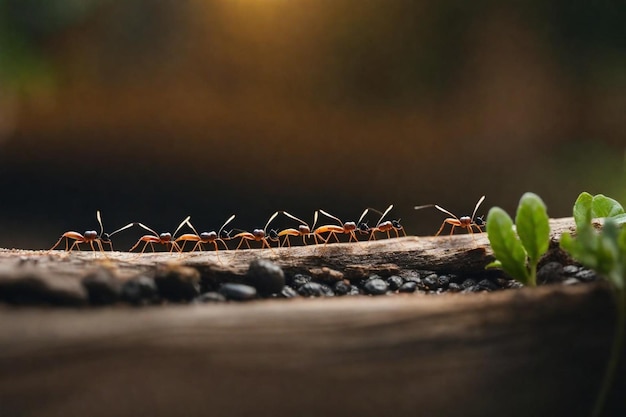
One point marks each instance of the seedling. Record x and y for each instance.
(605, 253)
(518, 250)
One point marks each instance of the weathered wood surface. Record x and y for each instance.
(450, 254)
(515, 353)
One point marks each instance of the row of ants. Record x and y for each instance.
(319, 234)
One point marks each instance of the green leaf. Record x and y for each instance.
(582, 209)
(620, 219)
(495, 264)
(603, 206)
(505, 244)
(532, 225)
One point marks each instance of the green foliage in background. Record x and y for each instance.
(518, 251)
(24, 28)
(605, 253)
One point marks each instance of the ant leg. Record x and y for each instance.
(240, 242)
(57, 244)
(441, 228)
(223, 243)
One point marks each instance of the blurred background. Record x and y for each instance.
(154, 110)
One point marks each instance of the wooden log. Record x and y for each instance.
(462, 253)
(516, 353)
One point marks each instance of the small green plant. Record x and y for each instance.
(605, 253)
(518, 250)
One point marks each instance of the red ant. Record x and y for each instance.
(303, 230)
(163, 238)
(204, 237)
(90, 236)
(385, 226)
(258, 235)
(333, 230)
(464, 222)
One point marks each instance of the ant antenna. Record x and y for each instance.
(294, 218)
(219, 234)
(120, 229)
(362, 216)
(385, 213)
(445, 211)
(423, 207)
(192, 228)
(477, 205)
(315, 216)
(147, 228)
(269, 221)
(181, 225)
(331, 216)
(100, 221)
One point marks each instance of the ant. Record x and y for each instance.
(384, 226)
(303, 230)
(90, 236)
(344, 228)
(163, 238)
(204, 237)
(258, 235)
(464, 222)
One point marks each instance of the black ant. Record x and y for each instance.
(90, 236)
(258, 235)
(163, 238)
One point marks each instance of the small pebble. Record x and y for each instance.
(571, 281)
(102, 287)
(299, 280)
(454, 287)
(550, 272)
(468, 283)
(178, 283)
(315, 289)
(455, 278)
(443, 281)
(354, 290)
(375, 286)
(288, 292)
(237, 292)
(139, 290)
(266, 276)
(431, 282)
(586, 275)
(210, 297)
(341, 288)
(472, 288)
(488, 285)
(570, 270)
(409, 286)
(394, 282)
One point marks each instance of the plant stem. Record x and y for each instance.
(532, 279)
(616, 349)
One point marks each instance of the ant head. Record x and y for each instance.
(208, 235)
(90, 234)
(225, 234)
(165, 237)
(259, 233)
(396, 224)
(363, 227)
(480, 220)
(349, 226)
(106, 238)
(304, 229)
